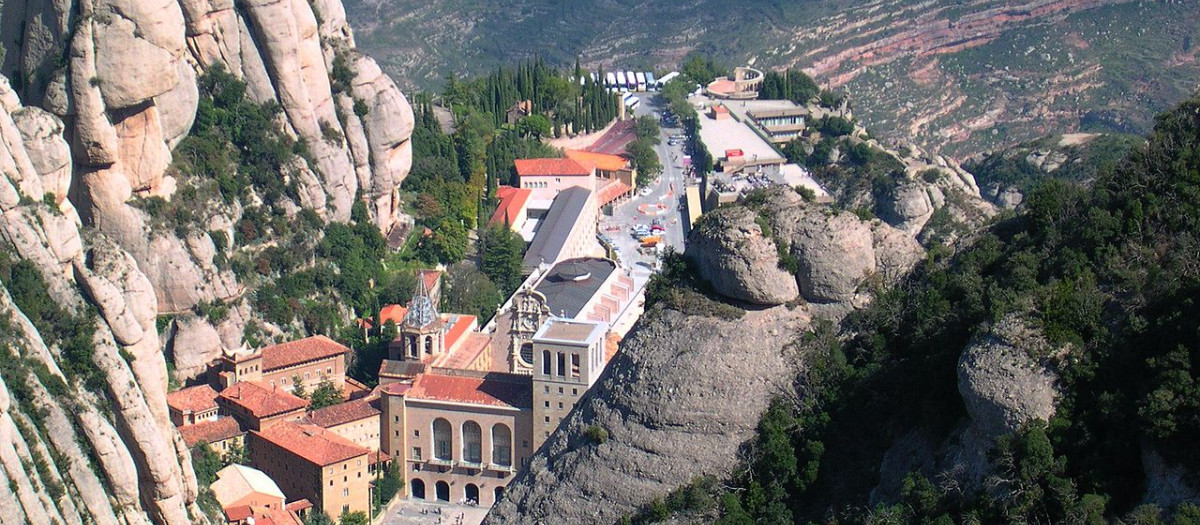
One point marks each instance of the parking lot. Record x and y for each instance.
(658, 202)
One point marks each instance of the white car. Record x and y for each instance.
(646, 191)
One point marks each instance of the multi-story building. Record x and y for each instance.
(461, 434)
(567, 230)
(192, 405)
(309, 462)
(589, 289)
(616, 178)
(568, 357)
(222, 435)
(311, 360)
(546, 178)
(257, 406)
(357, 421)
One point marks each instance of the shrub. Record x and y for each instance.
(596, 434)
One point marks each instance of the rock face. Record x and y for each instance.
(107, 89)
(1002, 386)
(677, 401)
(731, 252)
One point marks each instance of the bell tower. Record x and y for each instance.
(422, 328)
(529, 313)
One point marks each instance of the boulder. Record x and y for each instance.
(836, 254)
(193, 343)
(908, 208)
(678, 401)
(137, 45)
(1002, 386)
(731, 252)
(42, 137)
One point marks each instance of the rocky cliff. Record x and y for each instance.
(685, 392)
(97, 95)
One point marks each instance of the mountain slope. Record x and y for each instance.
(960, 77)
(153, 151)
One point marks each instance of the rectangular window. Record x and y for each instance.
(547, 419)
(574, 365)
(547, 389)
(560, 390)
(416, 453)
(560, 405)
(574, 391)
(547, 404)
(416, 433)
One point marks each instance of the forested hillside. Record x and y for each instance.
(1062, 343)
(960, 77)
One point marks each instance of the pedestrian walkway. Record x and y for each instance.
(420, 512)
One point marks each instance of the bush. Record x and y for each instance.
(596, 434)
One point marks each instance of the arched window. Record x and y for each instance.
(413, 348)
(501, 445)
(472, 442)
(418, 488)
(429, 344)
(546, 362)
(472, 493)
(443, 439)
(443, 490)
(562, 364)
(499, 492)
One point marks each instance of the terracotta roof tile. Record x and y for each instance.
(301, 351)
(512, 201)
(298, 505)
(460, 325)
(193, 399)
(210, 431)
(494, 391)
(261, 400)
(611, 191)
(312, 443)
(341, 414)
(601, 161)
(544, 167)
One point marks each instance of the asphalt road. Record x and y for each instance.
(661, 203)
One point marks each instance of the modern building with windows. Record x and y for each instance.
(309, 462)
(568, 358)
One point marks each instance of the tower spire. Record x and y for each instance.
(421, 310)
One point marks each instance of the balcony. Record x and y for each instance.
(500, 468)
(439, 462)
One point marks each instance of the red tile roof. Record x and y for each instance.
(472, 391)
(380, 456)
(279, 517)
(302, 351)
(462, 325)
(611, 191)
(298, 505)
(341, 414)
(210, 431)
(551, 167)
(602, 161)
(261, 400)
(474, 345)
(398, 388)
(311, 443)
(238, 513)
(512, 201)
(193, 399)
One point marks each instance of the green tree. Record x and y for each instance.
(325, 394)
(318, 517)
(645, 159)
(354, 518)
(298, 389)
(469, 291)
(501, 257)
(535, 126)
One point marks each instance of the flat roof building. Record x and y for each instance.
(567, 231)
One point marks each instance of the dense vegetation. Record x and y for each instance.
(1012, 167)
(641, 151)
(1105, 273)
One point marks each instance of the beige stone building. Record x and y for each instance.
(461, 435)
(309, 462)
(568, 358)
(257, 406)
(312, 360)
(357, 421)
(192, 405)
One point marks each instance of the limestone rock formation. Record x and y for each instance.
(108, 88)
(677, 401)
(1002, 386)
(732, 253)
